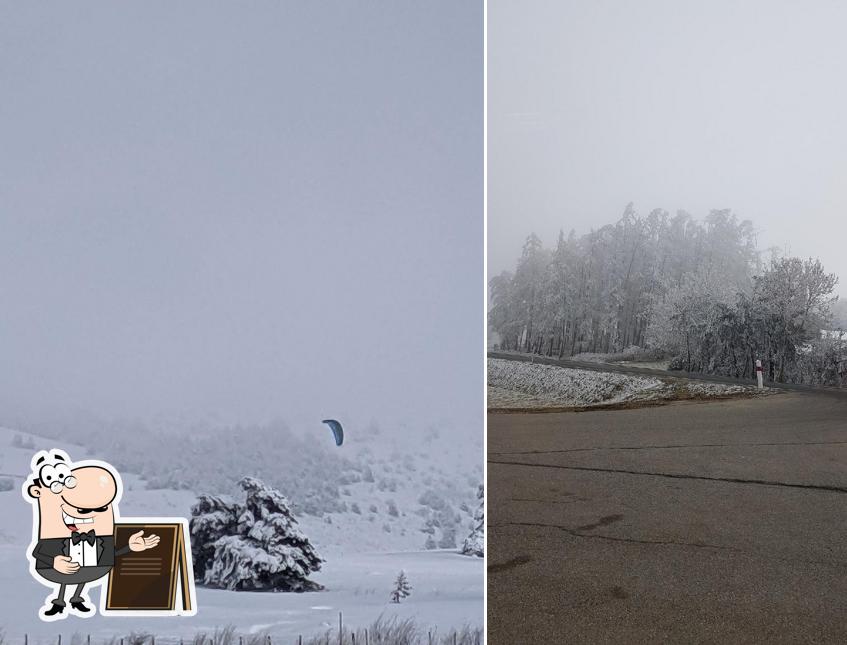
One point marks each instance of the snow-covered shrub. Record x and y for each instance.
(392, 508)
(475, 542)
(252, 546)
(677, 363)
(389, 484)
(349, 477)
(432, 499)
(6, 483)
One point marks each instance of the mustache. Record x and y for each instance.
(85, 510)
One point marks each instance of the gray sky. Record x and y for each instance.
(674, 105)
(244, 210)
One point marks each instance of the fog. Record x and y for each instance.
(242, 212)
(692, 106)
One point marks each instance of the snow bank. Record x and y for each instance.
(515, 384)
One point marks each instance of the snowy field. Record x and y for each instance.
(447, 587)
(515, 384)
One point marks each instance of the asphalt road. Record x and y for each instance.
(720, 522)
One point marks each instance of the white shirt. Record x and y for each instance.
(83, 553)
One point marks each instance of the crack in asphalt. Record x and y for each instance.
(673, 446)
(698, 545)
(508, 564)
(730, 480)
(545, 501)
(603, 521)
(598, 536)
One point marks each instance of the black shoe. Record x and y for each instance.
(55, 609)
(79, 606)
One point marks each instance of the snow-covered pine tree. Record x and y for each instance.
(212, 518)
(475, 542)
(254, 546)
(402, 588)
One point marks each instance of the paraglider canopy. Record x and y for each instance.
(337, 430)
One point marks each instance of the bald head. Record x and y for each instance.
(85, 507)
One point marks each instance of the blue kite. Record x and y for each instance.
(337, 430)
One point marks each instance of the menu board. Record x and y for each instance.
(151, 580)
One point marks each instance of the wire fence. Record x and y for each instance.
(381, 632)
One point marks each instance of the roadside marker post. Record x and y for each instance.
(759, 373)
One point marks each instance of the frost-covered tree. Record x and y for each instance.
(475, 542)
(448, 538)
(839, 314)
(256, 545)
(694, 291)
(402, 588)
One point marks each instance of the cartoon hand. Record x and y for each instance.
(138, 543)
(63, 564)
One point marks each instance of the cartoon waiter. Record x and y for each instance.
(73, 526)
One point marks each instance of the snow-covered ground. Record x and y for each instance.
(515, 384)
(447, 591)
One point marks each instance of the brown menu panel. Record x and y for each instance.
(148, 579)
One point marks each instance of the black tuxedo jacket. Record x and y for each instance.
(46, 551)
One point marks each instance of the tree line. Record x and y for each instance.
(695, 291)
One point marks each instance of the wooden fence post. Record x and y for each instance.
(340, 629)
(60, 639)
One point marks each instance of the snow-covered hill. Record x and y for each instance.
(397, 490)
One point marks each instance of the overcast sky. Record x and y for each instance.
(270, 209)
(674, 105)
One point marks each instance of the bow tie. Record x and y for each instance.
(87, 536)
